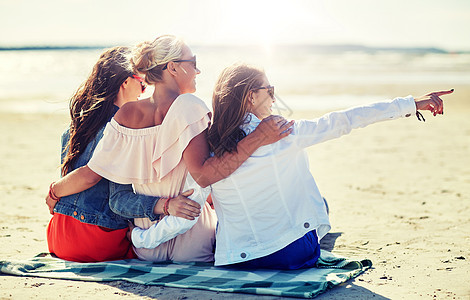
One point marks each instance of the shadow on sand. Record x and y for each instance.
(349, 290)
(328, 241)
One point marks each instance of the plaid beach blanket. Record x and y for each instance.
(331, 270)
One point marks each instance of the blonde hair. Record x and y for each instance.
(150, 57)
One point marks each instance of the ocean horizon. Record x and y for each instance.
(41, 79)
(310, 47)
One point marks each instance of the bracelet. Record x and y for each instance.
(165, 207)
(52, 195)
(420, 116)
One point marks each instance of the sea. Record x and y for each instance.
(42, 80)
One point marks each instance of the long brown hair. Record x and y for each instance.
(230, 103)
(92, 105)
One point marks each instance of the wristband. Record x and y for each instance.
(420, 116)
(165, 207)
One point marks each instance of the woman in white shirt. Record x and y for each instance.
(270, 211)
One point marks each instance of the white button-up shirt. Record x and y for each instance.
(272, 199)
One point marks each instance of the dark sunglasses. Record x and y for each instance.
(143, 86)
(270, 89)
(183, 60)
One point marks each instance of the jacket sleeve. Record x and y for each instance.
(124, 202)
(336, 124)
(170, 226)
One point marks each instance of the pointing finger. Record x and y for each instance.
(441, 93)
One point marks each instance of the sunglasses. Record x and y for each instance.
(193, 61)
(143, 86)
(270, 89)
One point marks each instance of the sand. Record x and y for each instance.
(398, 193)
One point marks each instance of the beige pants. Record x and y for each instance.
(196, 244)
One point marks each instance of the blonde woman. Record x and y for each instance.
(154, 142)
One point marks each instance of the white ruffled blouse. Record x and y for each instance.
(151, 158)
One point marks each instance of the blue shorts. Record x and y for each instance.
(301, 253)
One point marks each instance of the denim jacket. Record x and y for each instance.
(107, 204)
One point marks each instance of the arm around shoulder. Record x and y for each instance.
(76, 181)
(124, 202)
(207, 171)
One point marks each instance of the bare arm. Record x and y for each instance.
(76, 181)
(207, 170)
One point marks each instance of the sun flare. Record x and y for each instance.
(266, 23)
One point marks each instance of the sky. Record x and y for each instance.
(375, 23)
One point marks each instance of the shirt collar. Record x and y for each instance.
(250, 124)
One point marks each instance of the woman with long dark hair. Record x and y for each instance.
(84, 227)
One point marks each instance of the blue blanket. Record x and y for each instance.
(331, 270)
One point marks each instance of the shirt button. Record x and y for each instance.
(306, 225)
(82, 217)
(75, 213)
(407, 115)
(243, 255)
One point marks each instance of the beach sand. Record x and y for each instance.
(398, 193)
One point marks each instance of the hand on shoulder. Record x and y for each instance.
(273, 129)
